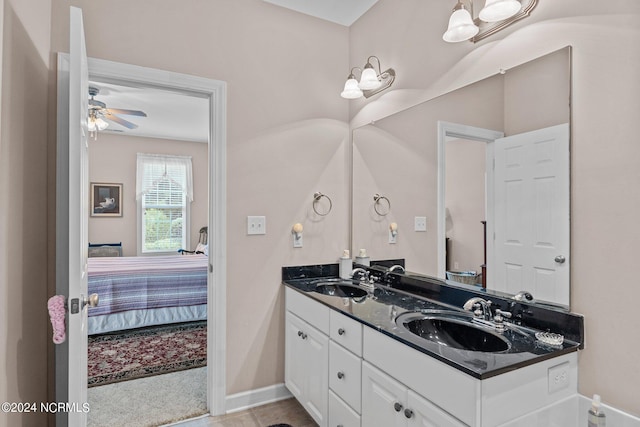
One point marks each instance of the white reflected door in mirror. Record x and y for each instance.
(531, 190)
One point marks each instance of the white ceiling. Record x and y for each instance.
(343, 12)
(170, 115)
(183, 117)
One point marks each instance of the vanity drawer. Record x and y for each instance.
(340, 414)
(312, 312)
(346, 331)
(345, 375)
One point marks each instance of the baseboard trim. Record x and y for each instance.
(252, 398)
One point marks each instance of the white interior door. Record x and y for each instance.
(78, 218)
(531, 220)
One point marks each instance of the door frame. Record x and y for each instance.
(455, 130)
(215, 91)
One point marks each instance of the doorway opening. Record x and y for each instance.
(214, 93)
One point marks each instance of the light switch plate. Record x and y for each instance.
(420, 223)
(256, 225)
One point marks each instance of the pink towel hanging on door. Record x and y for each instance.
(57, 313)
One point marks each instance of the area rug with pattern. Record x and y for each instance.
(144, 352)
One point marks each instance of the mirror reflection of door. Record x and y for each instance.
(531, 182)
(519, 187)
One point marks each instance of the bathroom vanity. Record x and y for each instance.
(355, 355)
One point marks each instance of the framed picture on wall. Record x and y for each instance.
(106, 200)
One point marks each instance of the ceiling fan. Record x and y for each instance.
(99, 113)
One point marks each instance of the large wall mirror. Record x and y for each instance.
(473, 186)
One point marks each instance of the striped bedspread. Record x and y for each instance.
(138, 283)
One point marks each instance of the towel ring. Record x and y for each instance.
(316, 198)
(376, 206)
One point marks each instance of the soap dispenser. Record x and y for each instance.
(363, 258)
(596, 417)
(345, 266)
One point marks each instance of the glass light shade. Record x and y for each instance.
(369, 79)
(461, 27)
(498, 10)
(91, 124)
(101, 124)
(351, 89)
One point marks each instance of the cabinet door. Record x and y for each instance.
(307, 366)
(294, 366)
(315, 358)
(425, 414)
(383, 399)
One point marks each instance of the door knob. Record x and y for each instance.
(340, 375)
(397, 406)
(560, 259)
(340, 331)
(408, 413)
(92, 300)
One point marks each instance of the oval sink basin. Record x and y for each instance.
(453, 331)
(343, 290)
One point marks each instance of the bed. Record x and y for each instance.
(144, 291)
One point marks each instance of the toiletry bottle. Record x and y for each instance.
(596, 417)
(345, 266)
(363, 258)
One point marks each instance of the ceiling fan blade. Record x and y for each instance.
(109, 116)
(128, 112)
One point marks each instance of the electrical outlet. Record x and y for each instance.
(420, 223)
(256, 225)
(559, 377)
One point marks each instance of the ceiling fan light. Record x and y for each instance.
(91, 124)
(351, 89)
(499, 10)
(101, 124)
(461, 27)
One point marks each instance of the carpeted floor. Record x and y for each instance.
(145, 352)
(152, 401)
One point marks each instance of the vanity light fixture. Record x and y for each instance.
(494, 16)
(371, 81)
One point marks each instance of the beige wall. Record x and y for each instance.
(24, 200)
(604, 156)
(112, 159)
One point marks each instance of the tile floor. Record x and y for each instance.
(284, 412)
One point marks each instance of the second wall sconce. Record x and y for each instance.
(498, 14)
(296, 231)
(371, 81)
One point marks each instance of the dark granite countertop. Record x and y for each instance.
(380, 309)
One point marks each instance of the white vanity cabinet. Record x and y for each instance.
(388, 402)
(346, 374)
(440, 395)
(307, 354)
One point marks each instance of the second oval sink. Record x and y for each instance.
(453, 332)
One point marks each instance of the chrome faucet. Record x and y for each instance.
(365, 274)
(480, 307)
(523, 296)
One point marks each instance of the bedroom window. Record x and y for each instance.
(164, 192)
